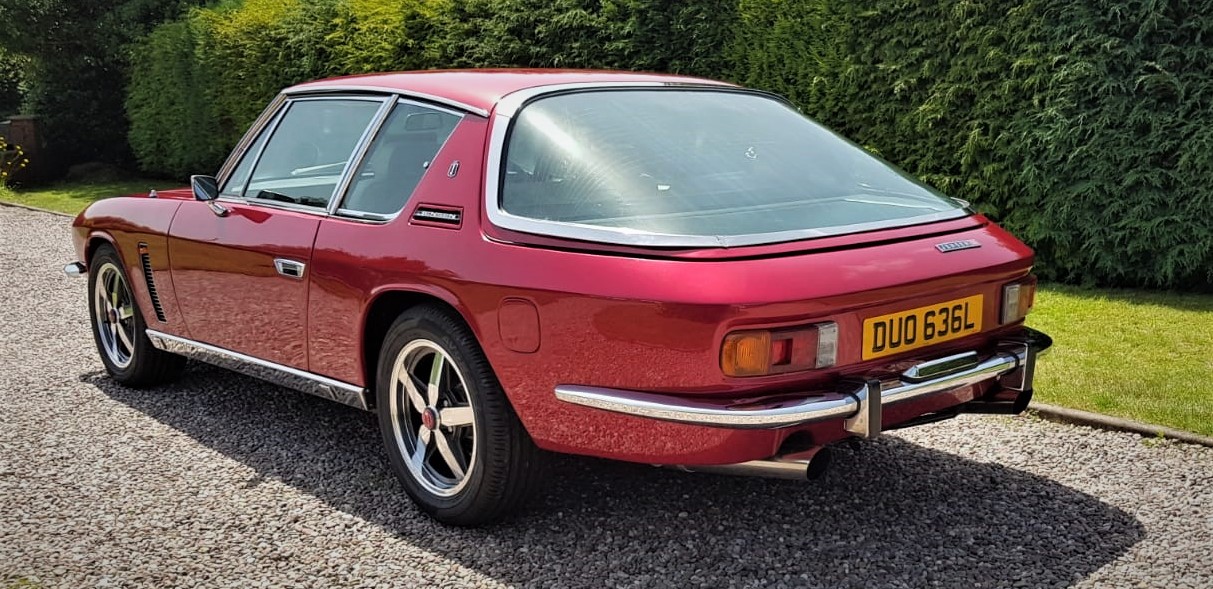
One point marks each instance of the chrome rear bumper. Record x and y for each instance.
(858, 402)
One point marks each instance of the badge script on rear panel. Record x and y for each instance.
(955, 246)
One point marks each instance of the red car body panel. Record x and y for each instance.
(126, 222)
(228, 290)
(548, 311)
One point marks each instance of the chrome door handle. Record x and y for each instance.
(289, 268)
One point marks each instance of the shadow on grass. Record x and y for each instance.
(889, 514)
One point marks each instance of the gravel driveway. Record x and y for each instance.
(221, 480)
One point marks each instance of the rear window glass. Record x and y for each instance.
(703, 163)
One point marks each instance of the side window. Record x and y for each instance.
(398, 158)
(302, 162)
(239, 178)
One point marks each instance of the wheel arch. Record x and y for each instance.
(383, 309)
(95, 240)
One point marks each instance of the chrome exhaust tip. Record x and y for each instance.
(809, 465)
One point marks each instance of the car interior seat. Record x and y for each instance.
(409, 155)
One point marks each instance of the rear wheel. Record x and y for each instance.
(118, 327)
(451, 435)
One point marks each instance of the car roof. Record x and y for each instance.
(480, 90)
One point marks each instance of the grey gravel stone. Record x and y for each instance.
(224, 481)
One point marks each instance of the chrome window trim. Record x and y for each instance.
(364, 144)
(269, 130)
(513, 102)
(337, 210)
(292, 378)
(354, 215)
(508, 109)
(233, 158)
(420, 96)
(270, 126)
(276, 204)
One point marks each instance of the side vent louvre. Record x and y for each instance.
(146, 260)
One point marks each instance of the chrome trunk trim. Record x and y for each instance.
(292, 378)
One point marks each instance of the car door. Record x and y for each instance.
(240, 263)
(359, 245)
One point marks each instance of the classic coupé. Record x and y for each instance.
(649, 268)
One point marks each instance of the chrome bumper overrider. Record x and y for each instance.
(75, 270)
(858, 402)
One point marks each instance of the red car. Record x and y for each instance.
(650, 268)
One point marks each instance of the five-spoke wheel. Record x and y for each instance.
(451, 435)
(432, 418)
(113, 311)
(118, 326)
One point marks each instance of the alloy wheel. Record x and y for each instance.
(432, 417)
(114, 311)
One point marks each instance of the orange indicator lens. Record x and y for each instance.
(746, 353)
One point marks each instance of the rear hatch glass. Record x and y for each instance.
(740, 167)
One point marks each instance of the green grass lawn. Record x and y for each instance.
(1141, 355)
(1136, 354)
(72, 197)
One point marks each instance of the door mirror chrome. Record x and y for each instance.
(206, 188)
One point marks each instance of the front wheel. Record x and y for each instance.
(451, 435)
(118, 327)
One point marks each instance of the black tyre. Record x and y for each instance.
(451, 435)
(119, 329)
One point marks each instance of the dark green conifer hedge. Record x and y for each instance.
(1084, 127)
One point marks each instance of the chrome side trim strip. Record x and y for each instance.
(859, 403)
(292, 378)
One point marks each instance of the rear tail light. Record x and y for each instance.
(1017, 300)
(746, 353)
(760, 352)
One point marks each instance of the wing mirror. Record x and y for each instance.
(206, 189)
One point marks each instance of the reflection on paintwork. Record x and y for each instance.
(227, 288)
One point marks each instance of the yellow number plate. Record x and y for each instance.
(909, 330)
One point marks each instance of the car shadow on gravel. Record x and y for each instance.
(889, 514)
